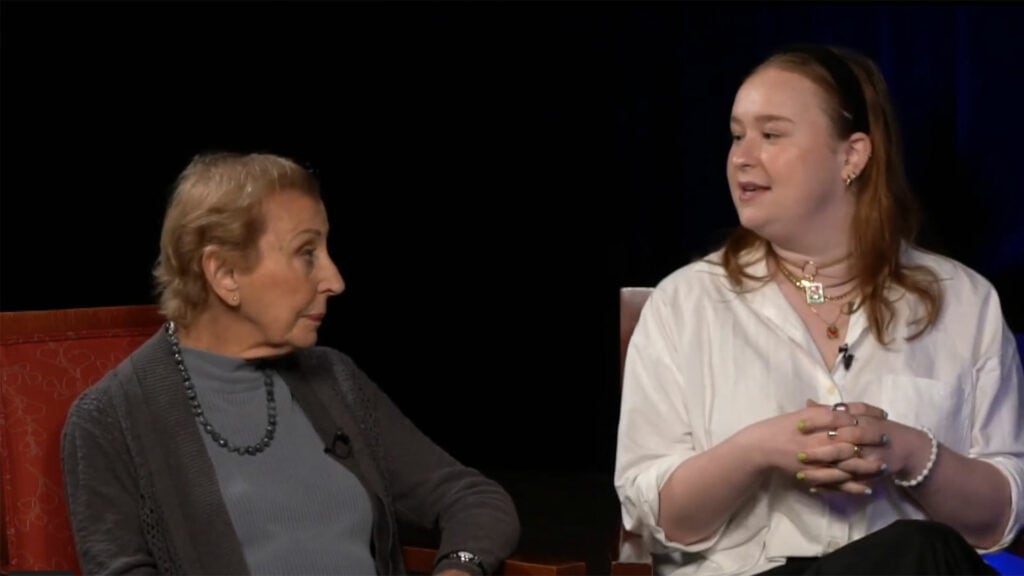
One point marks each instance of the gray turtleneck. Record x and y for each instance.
(295, 510)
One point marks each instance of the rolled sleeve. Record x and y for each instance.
(1014, 472)
(655, 433)
(998, 433)
(641, 502)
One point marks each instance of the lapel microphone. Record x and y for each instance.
(844, 351)
(344, 440)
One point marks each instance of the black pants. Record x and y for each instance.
(911, 547)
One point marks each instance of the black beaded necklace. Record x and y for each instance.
(197, 410)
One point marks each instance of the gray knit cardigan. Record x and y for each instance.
(144, 498)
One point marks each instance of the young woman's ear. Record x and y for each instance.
(858, 152)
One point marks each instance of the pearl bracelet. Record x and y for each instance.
(927, 467)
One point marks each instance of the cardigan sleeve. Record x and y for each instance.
(102, 492)
(432, 489)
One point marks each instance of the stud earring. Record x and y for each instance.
(234, 297)
(849, 179)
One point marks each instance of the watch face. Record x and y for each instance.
(466, 557)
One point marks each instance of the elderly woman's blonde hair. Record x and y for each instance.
(217, 201)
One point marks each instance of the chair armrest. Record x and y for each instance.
(420, 560)
(634, 557)
(519, 565)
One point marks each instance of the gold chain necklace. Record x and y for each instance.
(814, 292)
(831, 328)
(814, 267)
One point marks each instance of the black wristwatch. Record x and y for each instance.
(465, 558)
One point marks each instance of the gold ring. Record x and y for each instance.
(841, 407)
(856, 450)
(832, 434)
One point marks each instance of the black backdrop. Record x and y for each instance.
(493, 171)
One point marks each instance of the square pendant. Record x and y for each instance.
(814, 292)
(832, 332)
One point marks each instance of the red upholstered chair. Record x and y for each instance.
(47, 359)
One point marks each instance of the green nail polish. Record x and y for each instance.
(800, 475)
(802, 456)
(801, 425)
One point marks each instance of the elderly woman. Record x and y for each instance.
(821, 396)
(230, 444)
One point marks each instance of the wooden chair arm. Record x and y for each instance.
(634, 557)
(420, 560)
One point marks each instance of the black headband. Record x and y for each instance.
(851, 95)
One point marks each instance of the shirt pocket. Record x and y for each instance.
(943, 406)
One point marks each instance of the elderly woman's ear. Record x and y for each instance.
(219, 267)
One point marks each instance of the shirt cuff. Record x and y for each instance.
(1013, 470)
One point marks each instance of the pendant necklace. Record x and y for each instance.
(814, 292)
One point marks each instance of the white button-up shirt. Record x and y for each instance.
(706, 361)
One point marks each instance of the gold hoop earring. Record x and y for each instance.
(849, 179)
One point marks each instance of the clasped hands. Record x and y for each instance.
(843, 447)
